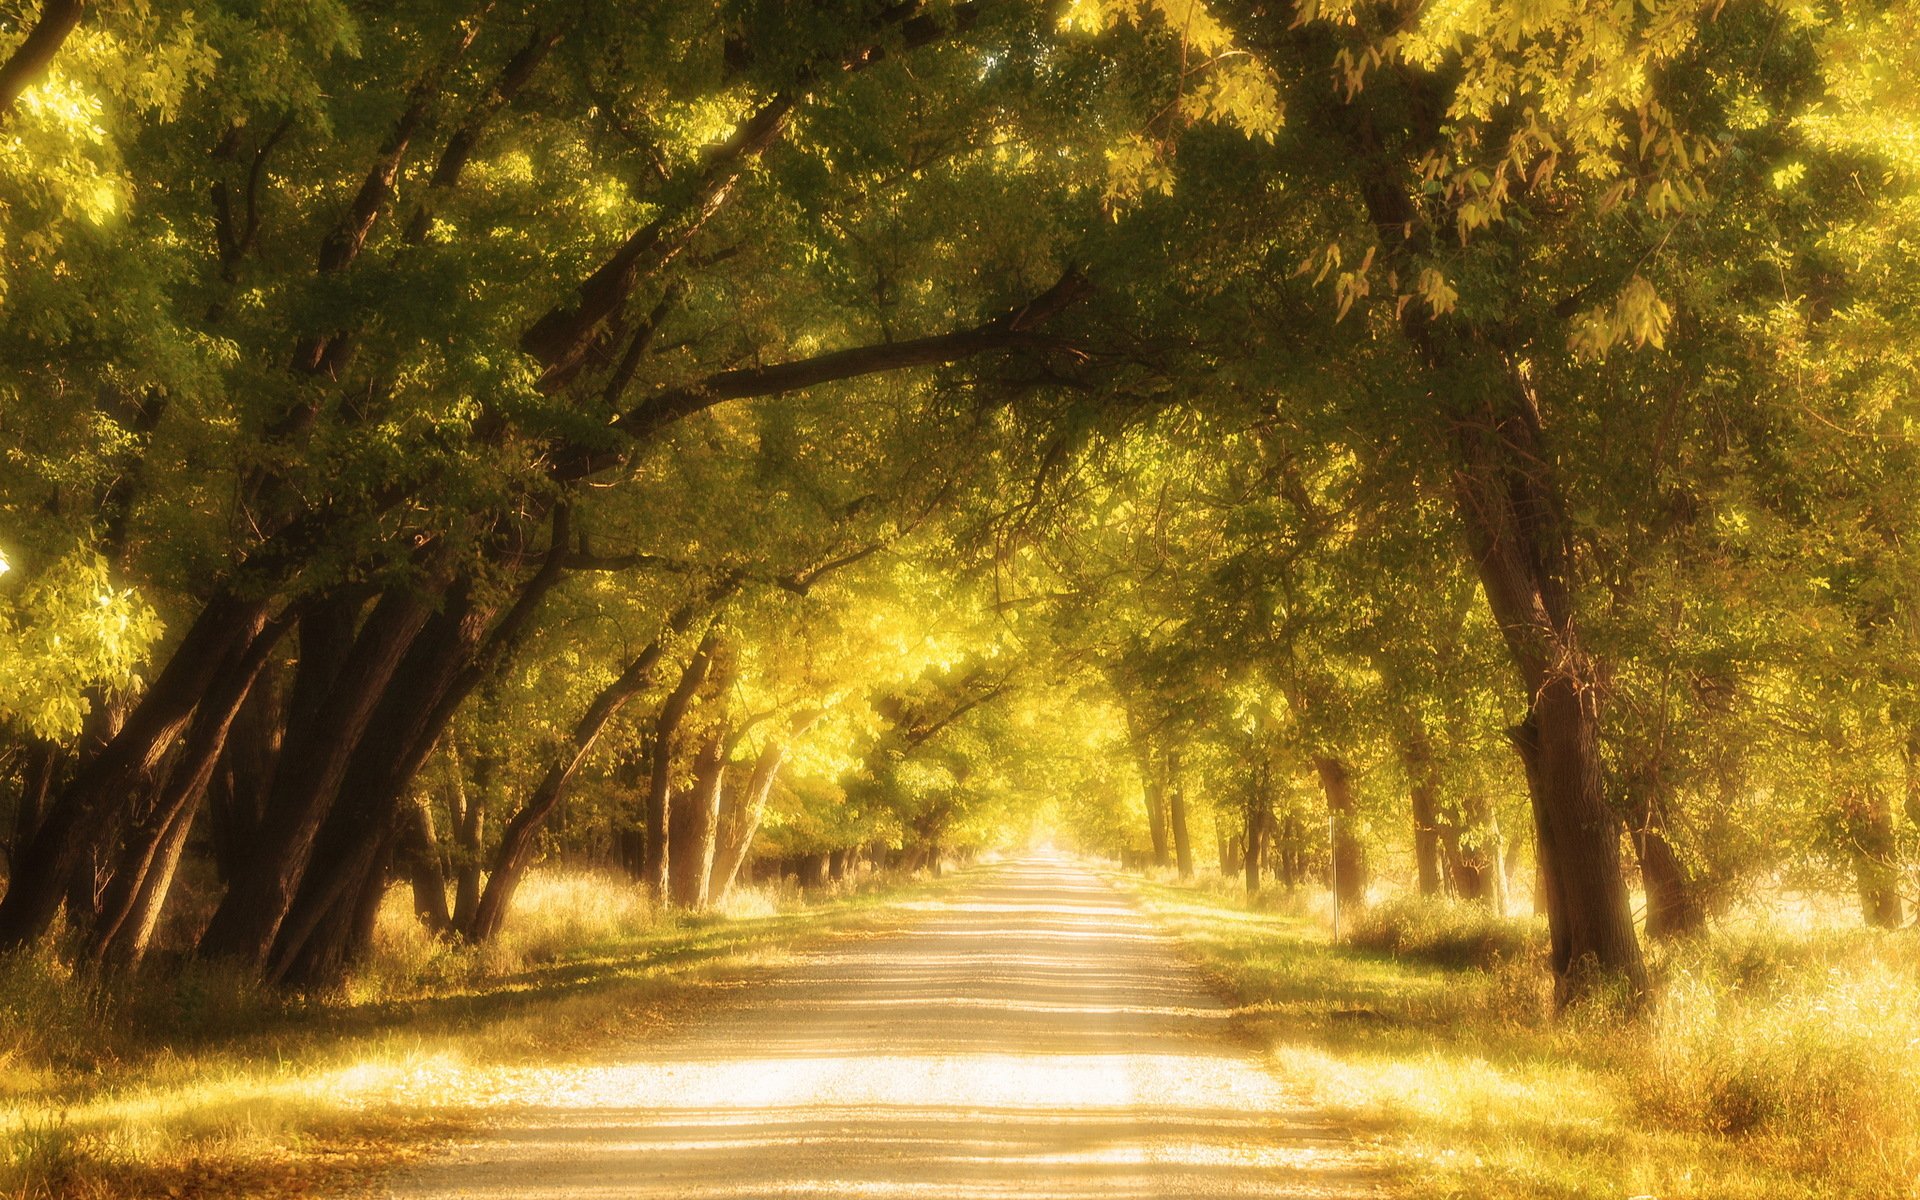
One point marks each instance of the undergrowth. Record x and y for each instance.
(1776, 1063)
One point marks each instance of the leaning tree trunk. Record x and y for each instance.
(110, 784)
(1510, 505)
(1673, 903)
(138, 890)
(368, 821)
(740, 820)
(307, 778)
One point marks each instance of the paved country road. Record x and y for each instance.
(1028, 1034)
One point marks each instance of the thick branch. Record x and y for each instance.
(31, 58)
(561, 339)
(1013, 330)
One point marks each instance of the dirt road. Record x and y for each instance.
(1028, 1034)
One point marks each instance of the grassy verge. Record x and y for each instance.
(196, 1084)
(1778, 1065)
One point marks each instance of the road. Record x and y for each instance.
(1026, 1034)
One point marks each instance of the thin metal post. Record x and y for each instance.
(1333, 857)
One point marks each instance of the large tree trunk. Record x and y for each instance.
(740, 819)
(1153, 789)
(39, 775)
(237, 793)
(653, 868)
(1259, 819)
(1673, 909)
(1349, 853)
(1869, 819)
(130, 909)
(114, 781)
(365, 826)
(1673, 905)
(1510, 505)
(1423, 793)
(313, 762)
(469, 847)
(420, 853)
(694, 821)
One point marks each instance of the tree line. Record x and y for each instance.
(763, 419)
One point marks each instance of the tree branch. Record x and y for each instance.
(1013, 330)
(31, 58)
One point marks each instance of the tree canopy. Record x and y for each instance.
(1469, 444)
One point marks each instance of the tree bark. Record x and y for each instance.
(1673, 904)
(1510, 504)
(313, 762)
(420, 851)
(31, 58)
(1869, 818)
(740, 820)
(1423, 791)
(695, 820)
(130, 909)
(660, 781)
(1177, 816)
(1259, 820)
(1349, 853)
(122, 771)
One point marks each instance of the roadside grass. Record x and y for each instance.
(194, 1083)
(1779, 1064)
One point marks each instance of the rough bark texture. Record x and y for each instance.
(1510, 505)
(694, 821)
(307, 778)
(130, 909)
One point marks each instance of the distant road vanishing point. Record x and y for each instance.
(1026, 1034)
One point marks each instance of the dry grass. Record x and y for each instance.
(1779, 1064)
(195, 1083)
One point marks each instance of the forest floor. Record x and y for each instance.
(1026, 1032)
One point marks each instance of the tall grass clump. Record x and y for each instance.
(556, 914)
(49, 1014)
(1805, 1047)
(1447, 933)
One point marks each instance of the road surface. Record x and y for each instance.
(1026, 1034)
